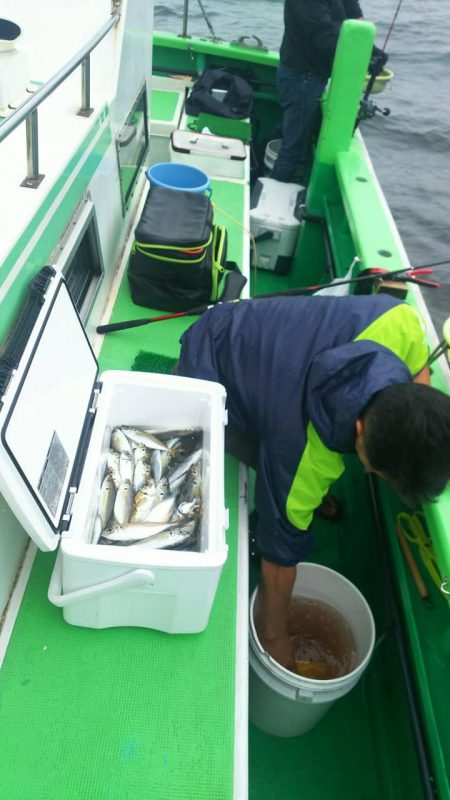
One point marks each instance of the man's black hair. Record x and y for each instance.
(407, 438)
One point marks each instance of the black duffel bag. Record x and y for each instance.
(178, 256)
(236, 103)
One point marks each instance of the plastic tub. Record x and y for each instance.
(284, 704)
(181, 177)
(381, 81)
(271, 154)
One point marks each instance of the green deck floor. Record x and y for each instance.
(127, 713)
(119, 713)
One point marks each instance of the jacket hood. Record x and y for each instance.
(342, 381)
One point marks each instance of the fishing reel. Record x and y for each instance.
(368, 109)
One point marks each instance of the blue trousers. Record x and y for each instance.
(298, 94)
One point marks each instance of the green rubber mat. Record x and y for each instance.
(153, 362)
(122, 712)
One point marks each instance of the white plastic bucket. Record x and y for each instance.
(271, 154)
(285, 704)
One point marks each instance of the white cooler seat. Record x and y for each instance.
(274, 224)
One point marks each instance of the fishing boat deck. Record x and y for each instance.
(135, 713)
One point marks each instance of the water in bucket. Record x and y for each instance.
(181, 177)
(324, 645)
(285, 704)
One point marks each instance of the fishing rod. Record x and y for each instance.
(208, 21)
(391, 28)
(435, 264)
(408, 274)
(367, 107)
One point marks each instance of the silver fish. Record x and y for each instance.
(191, 488)
(106, 499)
(112, 463)
(126, 466)
(141, 436)
(144, 501)
(172, 538)
(188, 509)
(130, 533)
(124, 502)
(162, 512)
(167, 433)
(141, 453)
(142, 473)
(119, 441)
(162, 489)
(163, 460)
(157, 467)
(181, 469)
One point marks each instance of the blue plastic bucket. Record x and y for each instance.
(179, 176)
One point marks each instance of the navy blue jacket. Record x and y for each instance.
(311, 32)
(298, 372)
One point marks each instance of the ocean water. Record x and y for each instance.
(410, 149)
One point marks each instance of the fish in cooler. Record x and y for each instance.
(151, 492)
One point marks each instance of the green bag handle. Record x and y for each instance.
(137, 248)
(144, 246)
(235, 281)
(219, 234)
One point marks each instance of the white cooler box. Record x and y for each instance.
(55, 428)
(218, 156)
(273, 224)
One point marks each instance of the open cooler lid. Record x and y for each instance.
(48, 375)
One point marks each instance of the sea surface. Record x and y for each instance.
(410, 149)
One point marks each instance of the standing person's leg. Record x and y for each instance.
(299, 94)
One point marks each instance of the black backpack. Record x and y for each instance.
(236, 103)
(179, 255)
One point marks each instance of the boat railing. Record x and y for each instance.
(28, 110)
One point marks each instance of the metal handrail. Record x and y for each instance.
(26, 109)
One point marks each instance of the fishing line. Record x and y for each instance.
(391, 28)
(244, 228)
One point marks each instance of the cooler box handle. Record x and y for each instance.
(132, 579)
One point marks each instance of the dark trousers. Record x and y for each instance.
(242, 446)
(299, 95)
